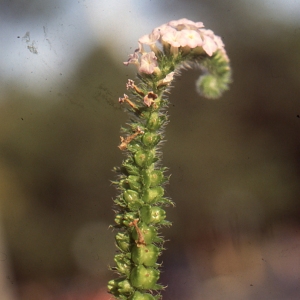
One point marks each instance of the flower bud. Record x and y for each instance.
(112, 286)
(119, 219)
(149, 233)
(209, 86)
(152, 214)
(152, 177)
(133, 182)
(132, 198)
(123, 264)
(145, 255)
(150, 139)
(154, 121)
(129, 217)
(139, 296)
(125, 287)
(144, 158)
(144, 278)
(134, 146)
(123, 241)
(152, 195)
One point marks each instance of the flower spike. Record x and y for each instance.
(140, 205)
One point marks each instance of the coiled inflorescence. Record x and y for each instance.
(140, 204)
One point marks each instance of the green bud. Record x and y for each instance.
(152, 214)
(208, 86)
(133, 182)
(152, 195)
(139, 296)
(119, 219)
(123, 264)
(152, 177)
(144, 158)
(125, 287)
(134, 146)
(144, 278)
(123, 241)
(154, 122)
(150, 139)
(112, 286)
(133, 200)
(131, 196)
(124, 184)
(214, 82)
(145, 255)
(149, 233)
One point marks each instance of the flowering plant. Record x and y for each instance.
(141, 179)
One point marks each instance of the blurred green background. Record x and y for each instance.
(234, 162)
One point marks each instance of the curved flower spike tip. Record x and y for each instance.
(182, 43)
(140, 204)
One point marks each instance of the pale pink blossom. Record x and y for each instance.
(133, 58)
(176, 36)
(199, 24)
(221, 47)
(190, 38)
(148, 63)
(219, 42)
(185, 24)
(172, 38)
(207, 32)
(163, 29)
(149, 39)
(141, 48)
(209, 45)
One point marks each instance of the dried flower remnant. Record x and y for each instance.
(167, 80)
(149, 98)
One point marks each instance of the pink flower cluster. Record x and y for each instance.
(178, 35)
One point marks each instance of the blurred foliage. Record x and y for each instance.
(59, 152)
(27, 9)
(234, 162)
